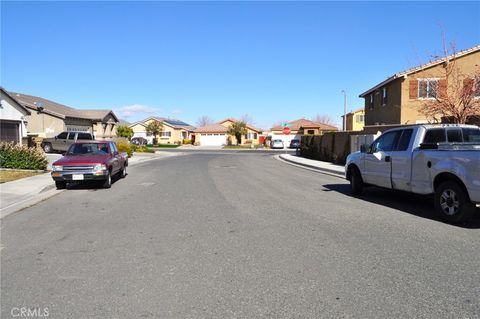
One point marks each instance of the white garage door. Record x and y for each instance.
(213, 139)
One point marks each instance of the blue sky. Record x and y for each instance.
(272, 60)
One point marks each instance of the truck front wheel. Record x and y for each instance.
(108, 182)
(61, 184)
(452, 202)
(356, 181)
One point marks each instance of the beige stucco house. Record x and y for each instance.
(298, 128)
(217, 134)
(173, 131)
(13, 119)
(355, 120)
(397, 99)
(48, 118)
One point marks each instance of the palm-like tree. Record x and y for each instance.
(154, 128)
(238, 129)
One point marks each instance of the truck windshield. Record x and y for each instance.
(88, 149)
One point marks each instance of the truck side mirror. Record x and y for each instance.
(364, 148)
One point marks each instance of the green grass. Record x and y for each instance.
(163, 146)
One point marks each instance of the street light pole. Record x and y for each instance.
(344, 110)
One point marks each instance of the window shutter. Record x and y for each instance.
(468, 84)
(442, 88)
(413, 90)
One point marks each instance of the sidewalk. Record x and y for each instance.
(319, 166)
(25, 192)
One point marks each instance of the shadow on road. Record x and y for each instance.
(90, 185)
(418, 205)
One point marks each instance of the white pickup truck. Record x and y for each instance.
(443, 160)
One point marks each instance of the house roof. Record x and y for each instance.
(213, 128)
(60, 110)
(253, 128)
(297, 124)
(355, 111)
(170, 122)
(15, 100)
(421, 67)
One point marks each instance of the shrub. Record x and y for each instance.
(22, 157)
(187, 141)
(124, 146)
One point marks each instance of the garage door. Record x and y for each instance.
(9, 132)
(213, 139)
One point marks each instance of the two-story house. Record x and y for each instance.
(397, 100)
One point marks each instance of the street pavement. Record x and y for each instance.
(237, 235)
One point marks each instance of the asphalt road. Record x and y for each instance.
(237, 235)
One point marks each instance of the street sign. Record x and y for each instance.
(286, 125)
(286, 130)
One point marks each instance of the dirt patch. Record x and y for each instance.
(11, 175)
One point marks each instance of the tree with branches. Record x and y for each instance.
(124, 131)
(324, 119)
(238, 129)
(154, 128)
(204, 120)
(455, 98)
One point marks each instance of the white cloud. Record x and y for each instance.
(135, 110)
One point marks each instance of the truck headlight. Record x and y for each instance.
(57, 168)
(100, 167)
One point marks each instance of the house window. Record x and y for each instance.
(384, 96)
(310, 131)
(427, 88)
(359, 118)
(370, 102)
(165, 134)
(251, 136)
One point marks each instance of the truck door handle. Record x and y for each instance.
(388, 158)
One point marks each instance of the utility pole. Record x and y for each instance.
(344, 110)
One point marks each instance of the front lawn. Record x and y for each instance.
(163, 146)
(11, 175)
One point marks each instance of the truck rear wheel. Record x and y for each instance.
(47, 147)
(452, 202)
(356, 181)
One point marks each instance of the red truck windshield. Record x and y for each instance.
(88, 149)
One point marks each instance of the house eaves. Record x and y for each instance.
(405, 73)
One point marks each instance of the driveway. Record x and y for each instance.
(210, 235)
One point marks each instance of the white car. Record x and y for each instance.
(277, 144)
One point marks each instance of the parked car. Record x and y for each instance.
(90, 160)
(443, 160)
(140, 141)
(276, 144)
(62, 141)
(294, 143)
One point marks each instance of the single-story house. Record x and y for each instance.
(173, 131)
(48, 118)
(298, 128)
(216, 134)
(13, 118)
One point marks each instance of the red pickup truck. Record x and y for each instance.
(90, 160)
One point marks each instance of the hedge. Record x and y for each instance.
(22, 157)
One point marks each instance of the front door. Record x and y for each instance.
(378, 161)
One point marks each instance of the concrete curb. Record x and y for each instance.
(49, 190)
(325, 171)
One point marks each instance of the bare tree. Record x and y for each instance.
(247, 119)
(204, 120)
(454, 97)
(324, 119)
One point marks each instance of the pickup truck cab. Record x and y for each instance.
(90, 160)
(443, 160)
(62, 141)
